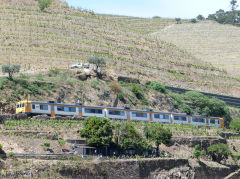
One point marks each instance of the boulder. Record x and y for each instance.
(82, 77)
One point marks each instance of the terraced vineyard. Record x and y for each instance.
(209, 41)
(61, 36)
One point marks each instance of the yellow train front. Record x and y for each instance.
(52, 108)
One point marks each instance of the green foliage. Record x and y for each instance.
(219, 151)
(10, 69)
(228, 17)
(11, 154)
(46, 144)
(180, 104)
(157, 87)
(200, 17)
(121, 96)
(43, 4)
(236, 156)
(97, 84)
(3, 82)
(98, 131)
(178, 20)
(235, 125)
(1, 147)
(136, 91)
(209, 106)
(193, 21)
(98, 61)
(198, 152)
(61, 142)
(131, 139)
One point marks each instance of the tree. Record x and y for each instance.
(178, 20)
(43, 4)
(131, 139)
(200, 17)
(235, 125)
(234, 5)
(158, 134)
(219, 152)
(98, 61)
(98, 131)
(10, 69)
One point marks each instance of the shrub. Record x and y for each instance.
(236, 156)
(61, 142)
(219, 151)
(11, 154)
(158, 87)
(115, 87)
(136, 91)
(198, 152)
(43, 4)
(1, 147)
(178, 20)
(98, 61)
(209, 106)
(46, 144)
(121, 96)
(235, 125)
(193, 21)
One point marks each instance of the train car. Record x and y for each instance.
(52, 109)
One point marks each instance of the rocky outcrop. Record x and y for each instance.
(234, 175)
(203, 141)
(128, 80)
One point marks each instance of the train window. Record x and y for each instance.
(60, 108)
(160, 116)
(180, 118)
(33, 106)
(198, 120)
(93, 111)
(22, 105)
(71, 109)
(136, 114)
(218, 122)
(43, 107)
(17, 105)
(116, 113)
(212, 121)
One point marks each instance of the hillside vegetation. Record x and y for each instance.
(62, 36)
(207, 40)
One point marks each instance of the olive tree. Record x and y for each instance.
(98, 61)
(43, 4)
(10, 69)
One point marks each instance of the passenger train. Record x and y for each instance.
(52, 109)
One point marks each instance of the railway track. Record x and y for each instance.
(229, 100)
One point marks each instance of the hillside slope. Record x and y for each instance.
(61, 36)
(207, 40)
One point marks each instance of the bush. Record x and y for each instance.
(98, 61)
(235, 125)
(121, 96)
(115, 87)
(193, 21)
(197, 152)
(46, 144)
(1, 147)
(136, 91)
(43, 4)
(158, 87)
(219, 151)
(178, 20)
(209, 106)
(11, 154)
